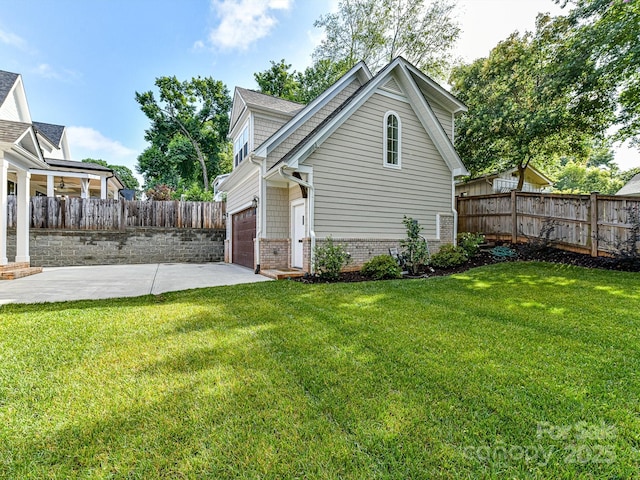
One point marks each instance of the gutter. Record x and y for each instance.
(311, 190)
(261, 205)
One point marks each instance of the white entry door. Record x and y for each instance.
(297, 230)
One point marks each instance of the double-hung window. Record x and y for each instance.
(241, 146)
(392, 132)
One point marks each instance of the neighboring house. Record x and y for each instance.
(503, 182)
(350, 165)
(631, 188)
(35, 160)
(61, 176)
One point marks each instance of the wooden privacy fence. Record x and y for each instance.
(96, 214)
(594, 224)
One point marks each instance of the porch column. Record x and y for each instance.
(103, 188)
(84, 187)
(4, 170)
(22, 217)
(50, 186)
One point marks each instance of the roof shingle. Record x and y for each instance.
(251, 97)
(51, 131)
(10, 131)
(7, 80)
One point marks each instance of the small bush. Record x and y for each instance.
(381, 267)
(470, 242)
(330, 259)
(416, 251)
(449, 256)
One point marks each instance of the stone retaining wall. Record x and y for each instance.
(59, 248)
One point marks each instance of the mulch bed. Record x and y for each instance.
(525, 252)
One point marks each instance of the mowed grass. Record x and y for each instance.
(510, 371)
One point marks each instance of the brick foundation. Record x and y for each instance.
(275, 253)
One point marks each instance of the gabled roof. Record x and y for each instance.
(7, 81)
(360, 71)
(11, 132)
(55, 162)
(408, 76)
(51, 131)
(632, 187)
(530, 170)
(245, 98)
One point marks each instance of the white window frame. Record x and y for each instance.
(241, 151)
(385, 150)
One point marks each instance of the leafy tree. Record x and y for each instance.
(377, 31)
(607, 33)
(579, 178)
(189, 124)
(279, 81)
(301, 87)
(523, 109)
(124, 173)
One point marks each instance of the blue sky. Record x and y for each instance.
(83, 60)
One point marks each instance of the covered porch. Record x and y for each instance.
(19, 153)
(285, 240)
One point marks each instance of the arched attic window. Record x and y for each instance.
(392, 136)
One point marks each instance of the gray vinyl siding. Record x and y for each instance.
(356, 196)
(241, 195)
(264, 127)
(302, 131)
(277, 212)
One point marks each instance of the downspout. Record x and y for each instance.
(261, 206)
(310, 189)
(455, 210)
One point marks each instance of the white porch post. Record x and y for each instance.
(22, 217)
(103, 188)
(4, 169)
(84, 187)
(50, 188)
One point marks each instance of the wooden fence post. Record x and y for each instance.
(594, 223)
(514, 217)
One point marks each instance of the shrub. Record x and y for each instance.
(416, 252)
(381, 267)
(449, 256)
(330, 259)
(470, 242)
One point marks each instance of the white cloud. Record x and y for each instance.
(90, 140)
(64, 75)
(12, 39)
(242, 22)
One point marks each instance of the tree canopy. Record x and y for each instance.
(187, 136)
(124, 173)
(302, 87)
(526, 110)
(607, 34)
(377, 31)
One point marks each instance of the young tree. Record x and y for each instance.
(377, 31)
(189, 124)
(523, 109)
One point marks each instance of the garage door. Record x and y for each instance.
(243, 233)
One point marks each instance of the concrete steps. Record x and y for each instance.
(14, 270)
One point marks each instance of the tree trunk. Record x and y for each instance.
(522, 167)
(201, 159)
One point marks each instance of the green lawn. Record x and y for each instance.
(509, 371)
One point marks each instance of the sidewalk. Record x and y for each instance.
(112, 281)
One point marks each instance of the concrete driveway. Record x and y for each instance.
(112, 281)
